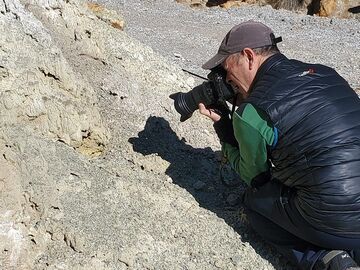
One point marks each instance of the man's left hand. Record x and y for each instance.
(209, 113)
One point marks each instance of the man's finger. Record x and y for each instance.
(203, 110)
(211, 114)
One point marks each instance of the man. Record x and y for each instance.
(295, 140)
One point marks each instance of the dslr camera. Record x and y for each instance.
(213, 93)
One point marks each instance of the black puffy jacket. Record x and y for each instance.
(317, 115)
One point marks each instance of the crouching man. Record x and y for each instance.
(295, 140)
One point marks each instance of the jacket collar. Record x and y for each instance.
(269, 63)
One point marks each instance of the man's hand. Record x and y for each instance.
(222, 124)
(209, 113)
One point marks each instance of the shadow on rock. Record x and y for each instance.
(195, 169)
(198, 171)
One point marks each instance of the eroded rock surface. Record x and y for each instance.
(96, 170)
(39, 88)
(69, 77)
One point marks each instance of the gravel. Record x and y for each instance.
(188, 37)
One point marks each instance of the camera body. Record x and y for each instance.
(211, 93)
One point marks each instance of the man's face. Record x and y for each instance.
(239, 73)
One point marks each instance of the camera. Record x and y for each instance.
(213, 93)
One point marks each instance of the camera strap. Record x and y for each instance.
(233, 105)
(194, 74)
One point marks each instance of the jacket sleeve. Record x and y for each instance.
(254, 135)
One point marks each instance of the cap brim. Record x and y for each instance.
(215, 61)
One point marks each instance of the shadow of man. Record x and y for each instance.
(195, 169)
(198, 171)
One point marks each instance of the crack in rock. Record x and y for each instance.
(6, 7)
(3, 72)
(93, 57)
(48, 74)
(34, 38)
(73, 242)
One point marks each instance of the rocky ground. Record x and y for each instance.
(96, 170)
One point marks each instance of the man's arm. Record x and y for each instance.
(254, 135)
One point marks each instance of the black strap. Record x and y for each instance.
(274, 39)
(233, 105)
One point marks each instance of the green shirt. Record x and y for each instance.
(255, 135)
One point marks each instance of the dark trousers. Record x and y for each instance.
(273, 215)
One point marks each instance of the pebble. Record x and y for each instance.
(178, 55)
(232, 199)
(169, 179)
(236, 260)
(199, 185)
(220, 264)
(190, 81)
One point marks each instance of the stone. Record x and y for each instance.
(334, 8)
(108, 16)
(327, 7)
(178, 55)
(233, 199)
(220, 264)
(199, 185)
(236, 259)
(230, 4)
(169, 180)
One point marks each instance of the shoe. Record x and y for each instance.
(336, 260)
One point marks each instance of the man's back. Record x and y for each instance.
(317, 116)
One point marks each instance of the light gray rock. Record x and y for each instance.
(72, 82)
(39, 88)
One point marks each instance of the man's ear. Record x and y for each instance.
(250, 56)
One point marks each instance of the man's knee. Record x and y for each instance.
(263, 199)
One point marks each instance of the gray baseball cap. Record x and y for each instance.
(248, 34)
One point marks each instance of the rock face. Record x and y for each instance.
(65, 66)
(43, 101)
(96, 172)
(39, 88)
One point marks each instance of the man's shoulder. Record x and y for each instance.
(250, 113)
(248, 119)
